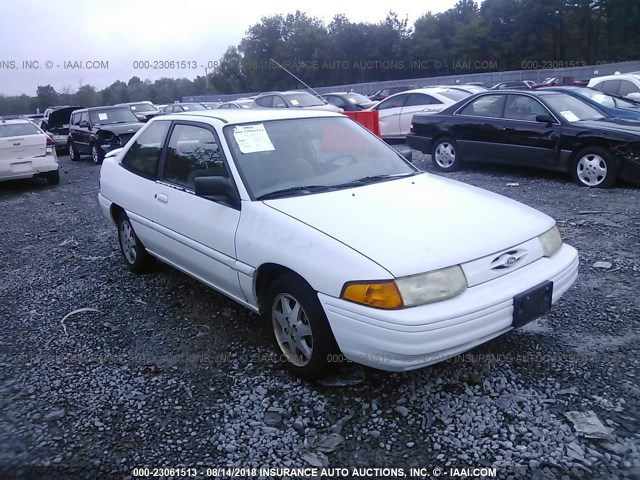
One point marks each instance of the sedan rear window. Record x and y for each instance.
(18, 130)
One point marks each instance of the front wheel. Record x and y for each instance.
(74, 155)
(445, 156)
(301, 331)
(594, 167)
(96, 154)
(133, 252)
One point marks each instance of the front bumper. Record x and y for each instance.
(399, 340)
(417, 142)
(28, 167)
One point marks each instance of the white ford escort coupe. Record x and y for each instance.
(342, 244)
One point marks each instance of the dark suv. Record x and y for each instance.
(98, 130)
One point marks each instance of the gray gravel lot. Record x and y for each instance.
(168, 373)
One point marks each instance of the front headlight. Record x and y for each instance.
(408, 291)
(551, 241)
(432, 286)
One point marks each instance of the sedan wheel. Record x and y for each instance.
(444, 155)
(594, 167)
(292, 330)
(132, 249)
(300, 328)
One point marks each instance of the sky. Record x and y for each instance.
(69, 43)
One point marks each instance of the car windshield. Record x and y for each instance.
(112, 115)
(455, 95)
(357, 98)
(303, 99)
(143, 107)
(188, 107)
(300, 156)
(18, 129)
(608, 100)
(571, 108)
(547, 81)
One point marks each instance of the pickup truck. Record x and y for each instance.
(561, 82)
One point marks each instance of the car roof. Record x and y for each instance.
(233, 116)
(106, 107)
(13, 120)
(622, 76)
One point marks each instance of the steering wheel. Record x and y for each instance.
(348, 160)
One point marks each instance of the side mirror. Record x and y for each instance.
(405, 151)
(544, 118)
(83, 124)
(218, 188)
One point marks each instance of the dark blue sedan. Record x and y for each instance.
(612, 105)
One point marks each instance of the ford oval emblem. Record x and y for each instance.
(510, 261)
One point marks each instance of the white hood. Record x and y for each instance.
(419, 223)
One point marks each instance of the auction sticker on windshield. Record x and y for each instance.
(252, 138)
(569, 116)
(102, 116)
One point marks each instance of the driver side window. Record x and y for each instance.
(143, 156)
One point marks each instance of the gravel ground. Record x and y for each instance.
(167, 373)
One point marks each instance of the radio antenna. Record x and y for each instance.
(316, 93)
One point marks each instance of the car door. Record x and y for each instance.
(83, 134)
(524, 140)
(199, 233)
(417, 102)
(389, 111)
(137, 189)
(475, 127)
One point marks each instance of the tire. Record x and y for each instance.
(445, 156)
(133, 252)
(74, 154)
(307, 356)
(594, 167)
(96, 155)
(53, 177)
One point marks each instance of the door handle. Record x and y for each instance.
(161, 197)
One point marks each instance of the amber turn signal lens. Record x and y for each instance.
(378, 295)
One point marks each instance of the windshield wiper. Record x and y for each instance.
(302, 189)
(125, 121)
(377, 178)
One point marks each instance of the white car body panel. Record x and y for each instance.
(379, 231)
(396, 121)
(426, 201)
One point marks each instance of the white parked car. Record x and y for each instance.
(26, 152)
(311, 220)
(624, 85)
(396, 112)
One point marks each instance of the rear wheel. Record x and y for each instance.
(594, 167)
(96, 154)
(445, 156)
(53, 177)
(300, 328)
(133, 252)
(74, 155)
